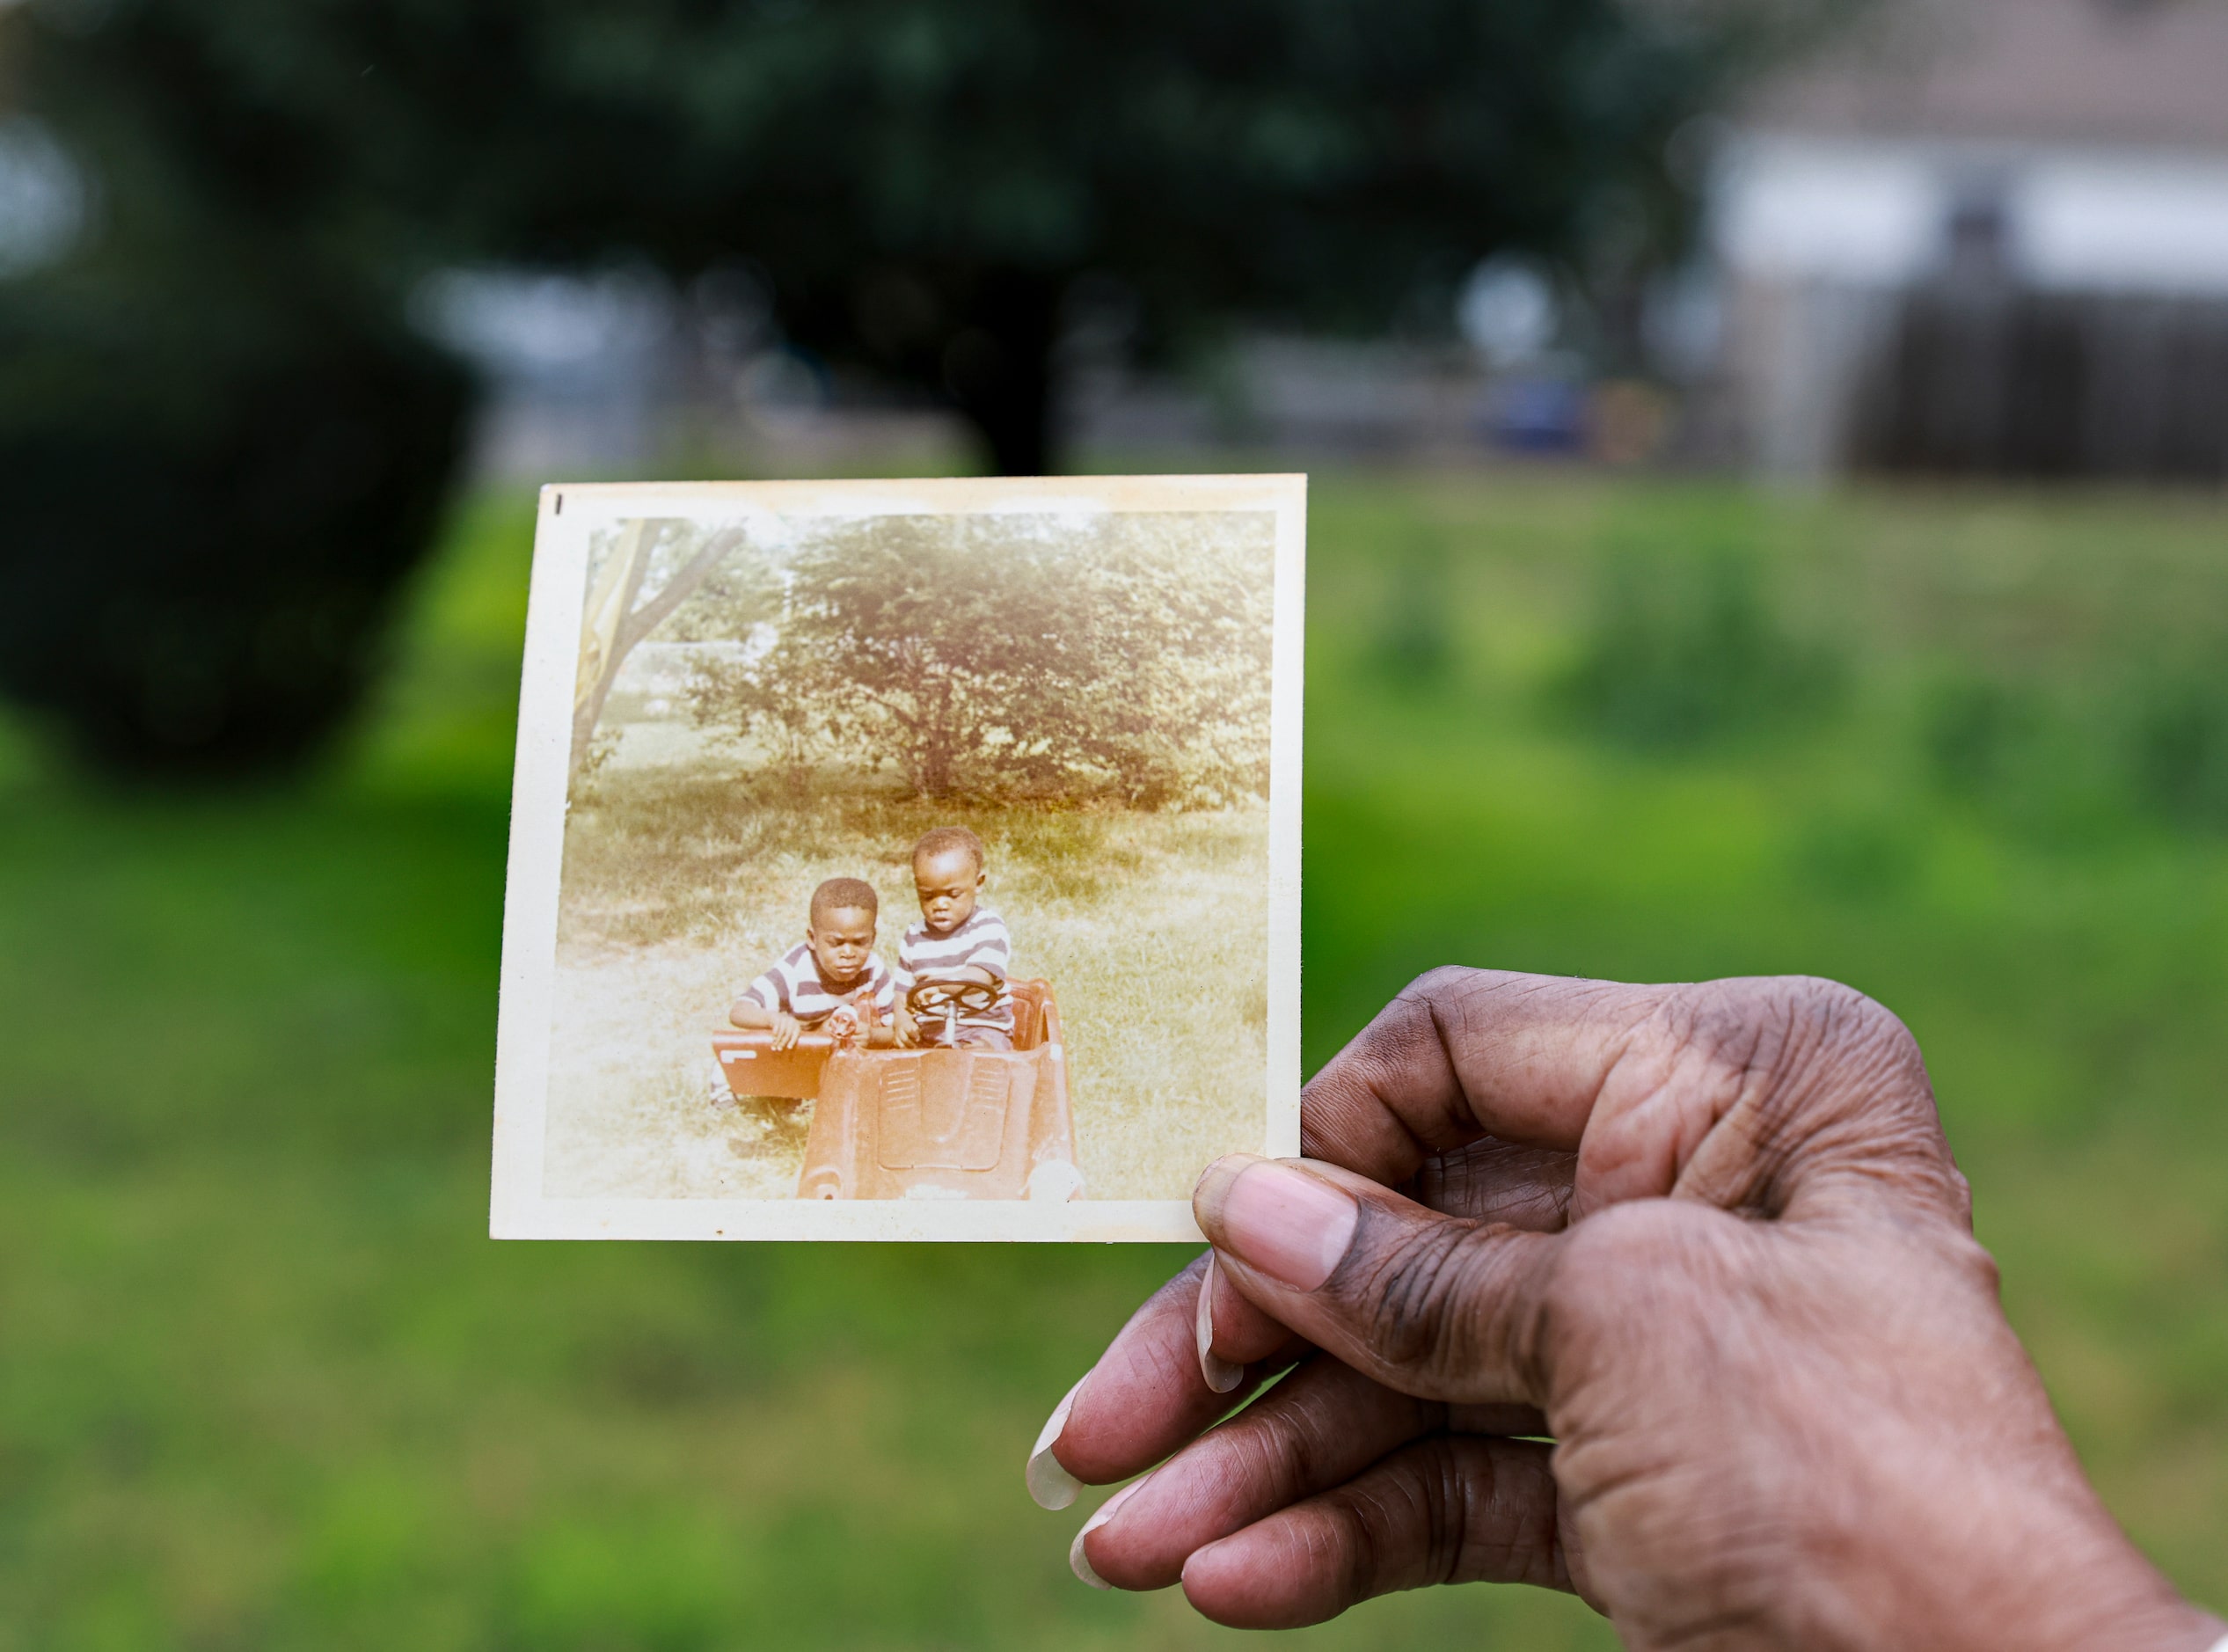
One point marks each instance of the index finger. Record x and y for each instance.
(1466, 1054)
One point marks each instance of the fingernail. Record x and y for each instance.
(1221, 1375)
(1078, 1563)
(1273, 1216)
(1051, 1485)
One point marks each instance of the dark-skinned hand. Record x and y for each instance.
(1709, 1241)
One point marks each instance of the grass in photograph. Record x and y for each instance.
(267, 1385)
(687, 874)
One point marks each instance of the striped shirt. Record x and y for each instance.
(794, 985)
(981, 941)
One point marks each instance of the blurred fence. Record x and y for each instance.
(2003, 381)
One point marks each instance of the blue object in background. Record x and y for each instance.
(1535, 414)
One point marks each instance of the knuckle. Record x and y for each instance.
(1977, 1264)
(1405, 1024)
(1441, 1301)
(1443, 1503)
(1406, 1294)
(1764, 1026)
(1405, 1525)
(1790, 1044)
(1432, 985)
(1404, 1038)
(1411, 1022)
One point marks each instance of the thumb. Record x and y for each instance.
(1432, 1305)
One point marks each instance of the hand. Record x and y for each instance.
(1708, 1238)
(785, 1029)
(907, 1033)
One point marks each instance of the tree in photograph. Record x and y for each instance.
(923, 188)
(617, 616)
(1018, 655)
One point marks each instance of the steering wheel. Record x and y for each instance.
(949, 999)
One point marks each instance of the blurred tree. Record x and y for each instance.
(215, 482)
(926, 189)
(938, 192)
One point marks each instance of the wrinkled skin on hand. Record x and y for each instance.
(1709, 1241)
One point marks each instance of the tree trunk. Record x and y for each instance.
(612, 624)
(999, 370)
(602, 628)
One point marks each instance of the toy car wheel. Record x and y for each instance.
(1055, 1182)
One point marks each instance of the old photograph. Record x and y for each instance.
(910, 860)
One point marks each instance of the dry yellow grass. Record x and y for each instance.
(684, 878)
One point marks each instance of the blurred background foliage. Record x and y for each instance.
(917, 185)
(265, 1384)
(935, 193)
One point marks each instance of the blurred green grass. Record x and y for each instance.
(264, 1383)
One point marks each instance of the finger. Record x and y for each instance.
(1433, 1305)
(1493, 1180)
(1447, 1509)
(1145, 1396)
(1323, 1424)
(1463, 1054)
(1232, 1334)
(1319, 1427)
(1740, 1093)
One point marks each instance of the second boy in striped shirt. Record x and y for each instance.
(957, 940)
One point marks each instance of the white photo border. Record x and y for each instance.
(569, 514)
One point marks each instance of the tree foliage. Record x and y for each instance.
(919, 185)
(1018, 655)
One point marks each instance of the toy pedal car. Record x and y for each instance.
(935, 1123)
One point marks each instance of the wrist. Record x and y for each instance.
(2087, 1590)
(2002, 1547)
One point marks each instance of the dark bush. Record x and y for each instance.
(213, 487)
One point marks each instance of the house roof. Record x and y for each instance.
(2148, 72)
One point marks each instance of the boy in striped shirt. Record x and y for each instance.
(831, 979)
(957, 940)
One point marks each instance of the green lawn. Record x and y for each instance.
(265, 1383)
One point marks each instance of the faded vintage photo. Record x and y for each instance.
(903, 859)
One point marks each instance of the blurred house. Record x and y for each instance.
(1985, 236)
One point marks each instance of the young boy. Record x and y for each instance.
(831, 978)
(958, 939)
